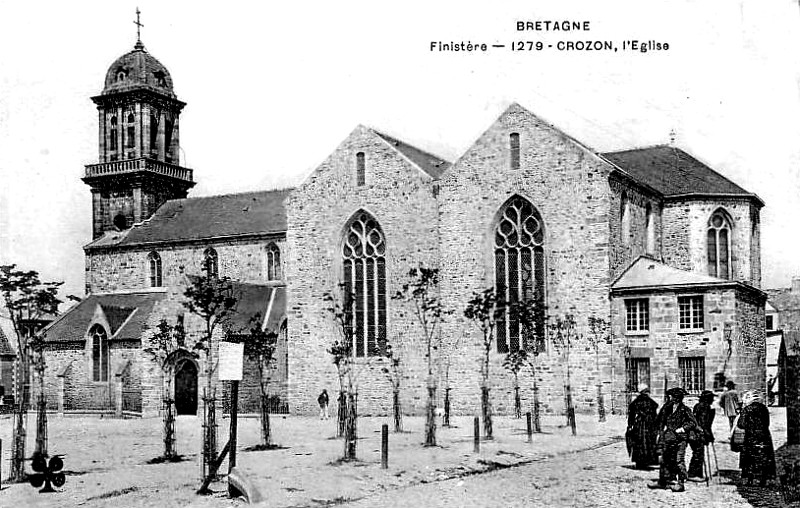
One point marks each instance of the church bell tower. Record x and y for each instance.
(139, 165)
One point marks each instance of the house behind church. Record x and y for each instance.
(652, 240)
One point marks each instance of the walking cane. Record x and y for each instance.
(708, 465)
(716, 464)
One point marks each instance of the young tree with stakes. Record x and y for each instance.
(532, 318)
(342, 311)
(25, 297)
(513, 363)
(422, 291)
(563, 334)
(448, 349)
(394, 373)
(259, 346)
(599, 335)
(213, 300)
(484, 309)
(167, 343)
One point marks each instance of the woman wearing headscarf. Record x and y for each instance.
(757, 458)
(641, 432)
(704, 414)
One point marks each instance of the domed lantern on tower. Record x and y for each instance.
(139, 144)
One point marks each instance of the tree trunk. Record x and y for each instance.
(266, 428)
(517, 403)
(397, 410)
(17, 473)
(446, 419)
(41, 424)
(351, 430)
(570, 408)
(170, 447)
(210, 437)
(486, 411)
(537, 424)
(341, 415)
(430, 415)
(601, 409)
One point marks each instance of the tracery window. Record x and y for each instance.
(625, 219)
(719, 245)
(273, 262)
(650, 229)
(364, 267)
(519, 270)
(211, 262)
(99, 339)
(154, 260)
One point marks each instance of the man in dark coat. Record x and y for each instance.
(675, 422)
(704, 414)
(641, 434)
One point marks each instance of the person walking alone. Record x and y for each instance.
(729, 402)
(323, 400)
(640, 436)
(757, 458)
(704, 414)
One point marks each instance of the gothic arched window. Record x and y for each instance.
(361, 169)
(154, 260)
(625, 219)
(273, 262)
(211, 262)
(650, 228)
(365, 282)
(719, 245)
(100, 360)
(113, 134)
(519, 270)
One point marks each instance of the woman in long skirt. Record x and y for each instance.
(757, 458)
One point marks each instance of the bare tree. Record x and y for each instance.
(342, 311)
(166, 344)
(394, 373)
(422, 291)
(532, 318)
(448, 349)
(260, 346)
(599, 335)
(213, 300)
(25, 297)
(563, 334)
(484, 309)
(513, 363)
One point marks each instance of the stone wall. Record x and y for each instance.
(400, 197)
(569, 186)
(129, 269)
(624, 249)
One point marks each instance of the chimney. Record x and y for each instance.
(795, 284)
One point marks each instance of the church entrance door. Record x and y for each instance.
(186, 388)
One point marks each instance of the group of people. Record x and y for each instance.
(661, 437)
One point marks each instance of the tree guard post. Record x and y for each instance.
(477, 438)
(530, 426)
(384, 446)
(234, 423)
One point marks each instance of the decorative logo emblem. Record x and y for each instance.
(47, 474)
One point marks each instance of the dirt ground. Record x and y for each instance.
(106, 460)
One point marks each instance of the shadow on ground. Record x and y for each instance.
(768, 496)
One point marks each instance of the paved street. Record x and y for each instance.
(594, 478)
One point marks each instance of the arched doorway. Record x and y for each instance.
(186, 388)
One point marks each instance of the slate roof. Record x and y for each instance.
(431, 164)
(673, 172)
(128, 312)
(783, 299)
(263, 301)
(645, 272)
(229, 215)
(5, 345)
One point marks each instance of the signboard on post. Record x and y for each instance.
(231, 361)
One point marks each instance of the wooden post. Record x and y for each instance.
(384, 446)
(477, 439)
(530, 426)
(234, 418)
(1, 464)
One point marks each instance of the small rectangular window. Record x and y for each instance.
(514, 147)
(770, 323)
(361, 169)
(693, 374)
(637, 372)
(690, 310)
(637, 315)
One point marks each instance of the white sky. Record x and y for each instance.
(273, 87)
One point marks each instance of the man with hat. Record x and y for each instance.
(675, 422)
(704, 414)
(641, 433)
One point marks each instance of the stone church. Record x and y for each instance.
(652, 240)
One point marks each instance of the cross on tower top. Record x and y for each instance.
(672, 135)
(139, 25)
